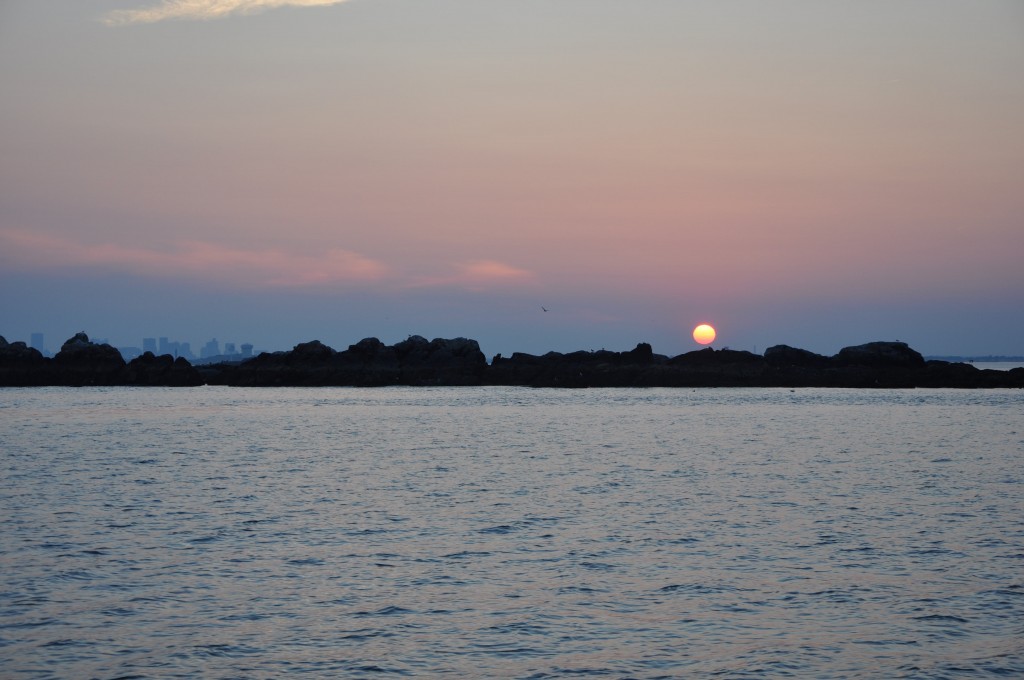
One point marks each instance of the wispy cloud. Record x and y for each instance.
(194, 259)
(481, 275)
(490, 271)
(203, 9)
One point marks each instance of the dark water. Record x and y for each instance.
(499, 532)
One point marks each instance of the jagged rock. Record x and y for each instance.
(21, 365)
(82, 362)
(890, 354)
(151, 371)
(639, 367)
(367, 347)
(784, 355)
(369, 362)
(712, 357)
(441, 361)
(314, 351)
(643, 353)
(459, 361)
(18, 351)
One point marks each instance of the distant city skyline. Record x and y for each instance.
(155, 345)
(791, 172)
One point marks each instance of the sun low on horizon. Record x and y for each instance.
(704, 334)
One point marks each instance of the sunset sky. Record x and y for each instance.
(810, 173)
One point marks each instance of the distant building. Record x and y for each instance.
(149, 345)
(165, 347)
(229, 348)
(246, 350)
(185, 350)
(210, 349)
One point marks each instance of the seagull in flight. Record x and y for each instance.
(543, 308)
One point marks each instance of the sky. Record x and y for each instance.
(816, 174)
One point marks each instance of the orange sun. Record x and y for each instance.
(704, 334)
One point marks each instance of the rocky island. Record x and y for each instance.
(82, 362)
(417, 361)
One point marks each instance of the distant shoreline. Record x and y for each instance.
(989, 358)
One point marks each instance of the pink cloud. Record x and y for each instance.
(492, 271)
(203, 9)
(199, 259)
(481, 275)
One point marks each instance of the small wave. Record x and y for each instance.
(390, 610)
(583, 671)
(224, 650)
(366, 634)
(885, 642)
(305, 562)
(76, 575)
(466, 554)
(373, 668)
(696, 588)
(67, 643)
(205, 539)
(941, 617)
(119, 611)
(585, 590)
(500, 529)
(30, 624)
(519, 627)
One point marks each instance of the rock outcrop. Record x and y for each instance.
(81, 362)
(880, 354)
(876, 364)
(417, 361)
(368, 363)
(21, 365)
(164, 370)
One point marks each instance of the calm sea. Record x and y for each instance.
(509, 532)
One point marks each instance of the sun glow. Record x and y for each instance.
(704, 334)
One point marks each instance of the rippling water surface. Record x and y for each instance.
(505, 532)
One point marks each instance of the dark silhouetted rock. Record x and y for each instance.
(82, 362)
(314, 351)
(415, 361)
(21, 365)
(709, 367)
(643, 353)
(164, 370)
(639, 367)
(457, 361)
(885, 354)
(784, 355)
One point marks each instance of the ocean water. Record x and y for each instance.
(510, 532)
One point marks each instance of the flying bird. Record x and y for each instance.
(543, 308)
